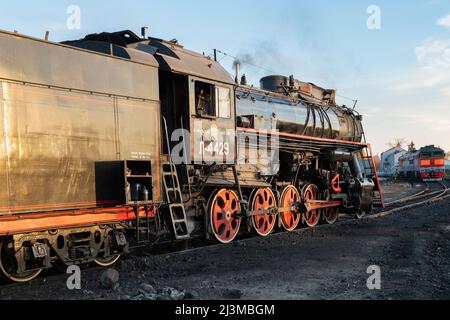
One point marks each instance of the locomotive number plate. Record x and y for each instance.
(214, 149)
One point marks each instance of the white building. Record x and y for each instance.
(389, 161)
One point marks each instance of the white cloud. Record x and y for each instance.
(433, 59)
(415, 101)
(446, 91)
(445, 21)
(434, 53)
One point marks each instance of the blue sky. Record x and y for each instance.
(400, 74)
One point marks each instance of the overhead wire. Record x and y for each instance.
(244, 61)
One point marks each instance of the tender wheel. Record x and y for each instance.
(222, 207)
(311, 218)
(289, 219)
(8, 266)
(330, 215)
(263, 199)
(107, 262)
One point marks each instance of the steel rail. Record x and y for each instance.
(425, 190)
(423, 194)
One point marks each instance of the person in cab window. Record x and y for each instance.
(204, 103)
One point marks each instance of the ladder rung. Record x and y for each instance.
(173, 193)
(80, 240)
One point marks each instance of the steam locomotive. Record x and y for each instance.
(427, 164)
(115, 142)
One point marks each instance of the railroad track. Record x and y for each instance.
(414, 201)
(428, 193)
(410, 197)
(409, 202)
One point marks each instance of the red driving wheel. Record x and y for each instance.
(312, 217)
(263, 199)
(223, 205)
(289, 219)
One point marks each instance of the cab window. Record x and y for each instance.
(223, 102)
(212, 101)
(204, 99)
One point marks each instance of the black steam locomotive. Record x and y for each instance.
(114, 141)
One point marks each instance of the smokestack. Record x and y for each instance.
(144, 32)
(291, 81)
(244, 80)
(237, 65)
(47, 34)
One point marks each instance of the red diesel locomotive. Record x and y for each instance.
(427, 164)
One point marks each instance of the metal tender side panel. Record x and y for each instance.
(61, 111)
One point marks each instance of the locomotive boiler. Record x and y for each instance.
(310, 117)
(114, 142)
